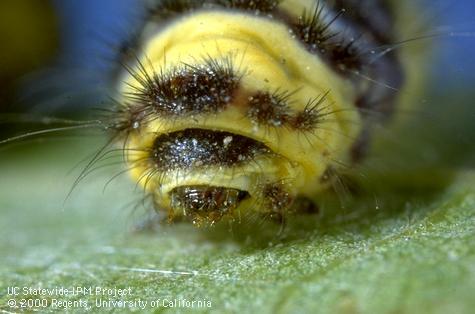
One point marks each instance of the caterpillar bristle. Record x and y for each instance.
(313, 29)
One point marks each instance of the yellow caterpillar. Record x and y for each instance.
(234, 106)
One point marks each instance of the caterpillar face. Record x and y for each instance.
(233, 107)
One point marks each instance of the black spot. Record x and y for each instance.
(269, 109)
(201, 148)
(345, 54)
(277, 198)
(305, 121)
(304, 206)
(312, 115)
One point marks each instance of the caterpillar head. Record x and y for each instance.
(227, 114)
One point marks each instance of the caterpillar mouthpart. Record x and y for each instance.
(206, 204)
(231, 114)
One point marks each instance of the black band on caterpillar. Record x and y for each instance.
(200, 148)
(186, 90)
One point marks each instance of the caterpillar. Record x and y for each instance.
(230, 107)
(239, 106)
